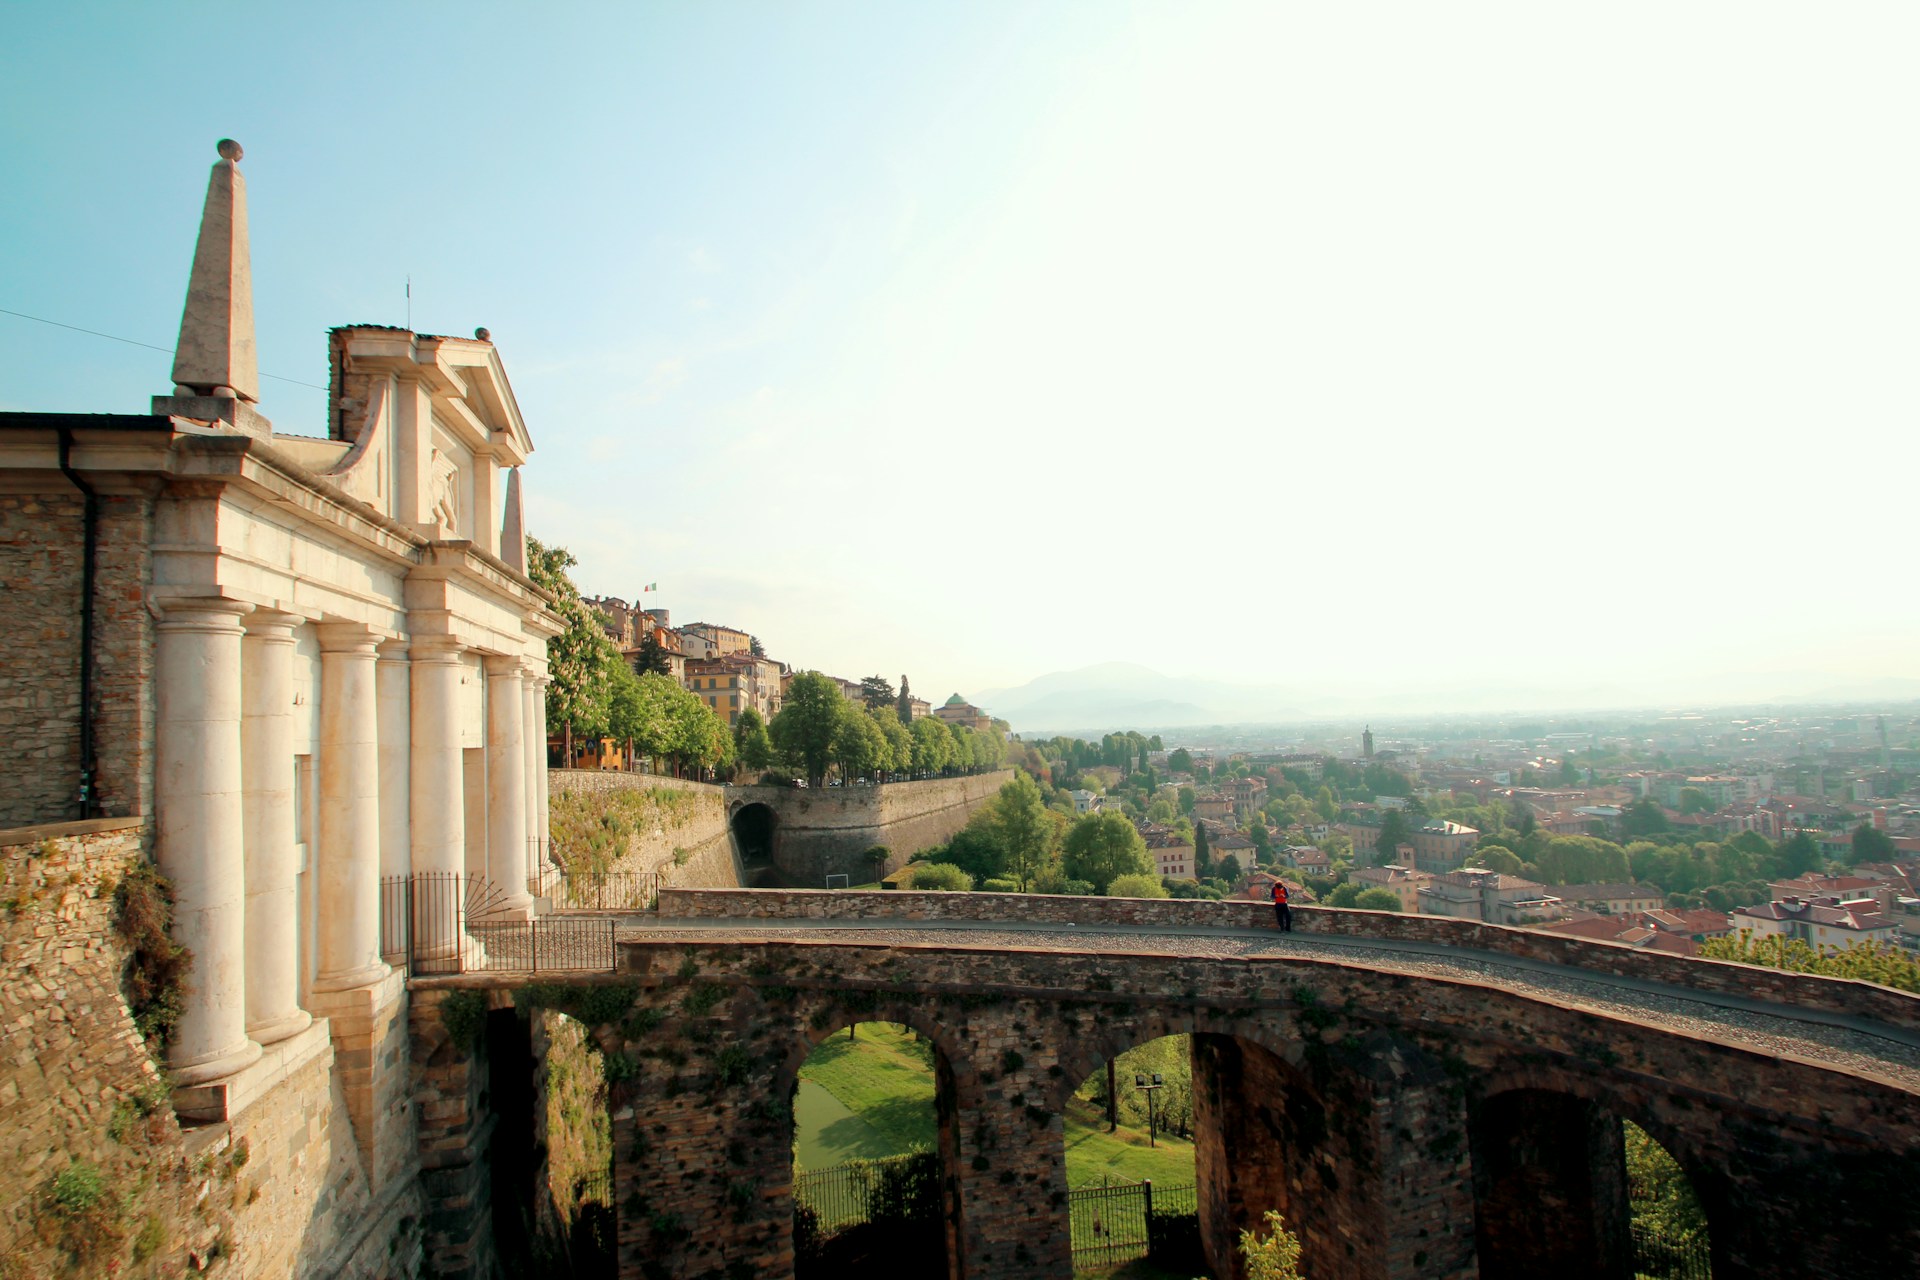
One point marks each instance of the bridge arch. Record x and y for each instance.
(950, 1098)
(1548, 1148)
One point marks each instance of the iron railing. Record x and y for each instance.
(1657, 1257)
(1124, 1221)
(438, 923)
(600, 891)
(892, 1188)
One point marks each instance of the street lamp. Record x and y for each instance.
(1140, 1082)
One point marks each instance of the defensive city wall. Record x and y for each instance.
(824, 831)
(1408, 1124)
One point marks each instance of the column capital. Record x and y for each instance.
(215, 614)
(271, 624)
(511, 666)
(435, 649)
(347, 637)
(395, 650)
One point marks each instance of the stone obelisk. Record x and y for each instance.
(215, 372)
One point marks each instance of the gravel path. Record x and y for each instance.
(1849, 1044)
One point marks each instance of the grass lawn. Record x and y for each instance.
(874, 1097)
(1094, 1154)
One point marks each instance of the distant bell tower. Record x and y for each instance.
(1366, 742)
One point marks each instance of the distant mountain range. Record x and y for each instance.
(1125, 695)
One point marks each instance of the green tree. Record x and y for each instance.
(1137, 885)
(1026, 833)
(652, 658)
(1102, 846)
(932, 746)
(751, 743)
(1496, 858)
(1643, 818)
(808, 723)
(1871, 844)
(1394, 832)
(899, 740)
(876, 692)
(1181, 760)
(1798, 854)
(1377, 899)
(904, 708)
(1202, 855)
(581, 660)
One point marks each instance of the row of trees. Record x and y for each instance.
(1017, 843)
(817, 730)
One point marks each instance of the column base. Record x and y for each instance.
(218, 1101)
(280, 1028)
(365, 976)
(224, 1063)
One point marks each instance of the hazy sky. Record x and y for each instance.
(1463, 343)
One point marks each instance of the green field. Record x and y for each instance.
(872, 1095)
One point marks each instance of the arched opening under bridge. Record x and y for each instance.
(873, 1152)
(1564, 1186)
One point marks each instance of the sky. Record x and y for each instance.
(1345, 346)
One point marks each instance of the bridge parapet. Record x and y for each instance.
(1847, 997)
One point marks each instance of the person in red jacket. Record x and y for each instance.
(1282, 913)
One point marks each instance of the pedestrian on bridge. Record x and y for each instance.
(1282, 912)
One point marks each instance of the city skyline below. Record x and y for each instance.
(1486, 358)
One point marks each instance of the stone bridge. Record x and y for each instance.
(1420, 1097)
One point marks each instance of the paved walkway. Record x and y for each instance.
(1835, 1040)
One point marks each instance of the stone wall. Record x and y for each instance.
(686, 839)
(277, 1190)
(1723, 977)
(828, 830)
(41, 542)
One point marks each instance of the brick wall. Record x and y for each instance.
(41, 540)
(1837, 995)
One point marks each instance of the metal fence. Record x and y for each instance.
(1657, 1257)
(602, 891)
(1128, 1220)
(439, 923)
(893, 1188)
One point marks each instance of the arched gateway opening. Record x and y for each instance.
(873, 1156)
(755, 827)
(1261, 1134)
(1563, 1186)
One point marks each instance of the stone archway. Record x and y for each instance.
(756, 831)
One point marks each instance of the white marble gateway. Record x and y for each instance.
(347, 655)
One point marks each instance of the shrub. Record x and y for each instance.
(1274, 1256)
(1377, 899)
(942, 877)
(156, 972)
(999, 884)
(1136, 885)
(464, 1014)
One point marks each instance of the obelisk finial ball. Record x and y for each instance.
(482, 334)
(229, 150)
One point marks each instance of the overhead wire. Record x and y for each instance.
(114, 337)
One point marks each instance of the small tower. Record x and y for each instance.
(1366, 743)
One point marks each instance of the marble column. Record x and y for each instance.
(394, 695)
(542, 828)
(349, 811)
(535, 755)
(198, 819)
(507, 784)
(267, 773)
(437, 796)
